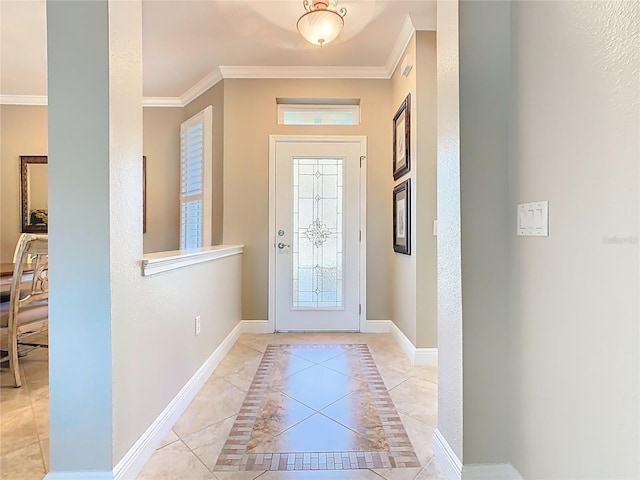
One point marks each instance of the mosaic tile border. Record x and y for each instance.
(234, 456)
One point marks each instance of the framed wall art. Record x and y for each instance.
(402, 218)
(402, 139)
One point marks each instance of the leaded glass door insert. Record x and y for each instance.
(317, 249)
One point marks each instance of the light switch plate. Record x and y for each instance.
(533, 219)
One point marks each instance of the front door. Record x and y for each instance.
(317, 234)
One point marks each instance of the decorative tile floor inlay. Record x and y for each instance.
(317, 407)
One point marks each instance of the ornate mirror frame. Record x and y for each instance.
(25, 161)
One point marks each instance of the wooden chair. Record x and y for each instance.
(27, 312)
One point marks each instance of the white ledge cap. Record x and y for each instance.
(153, 263)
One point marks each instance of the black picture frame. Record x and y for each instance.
(402, 218)
(402, 139)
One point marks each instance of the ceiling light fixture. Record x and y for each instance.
(320, 25)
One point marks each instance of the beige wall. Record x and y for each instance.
(250, 117)
(575, 120)
(214, 97)
(23, 131)
(414, 278)
(426, 195)
(404, 268)
(161, 129)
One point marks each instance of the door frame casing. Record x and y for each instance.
(362, 245)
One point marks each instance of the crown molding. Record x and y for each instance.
(406, 33)
(162, 102)
(40, 100)
(202, 86)
(409, 27)
(304, 72)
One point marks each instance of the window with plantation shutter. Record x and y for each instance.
(196, 167)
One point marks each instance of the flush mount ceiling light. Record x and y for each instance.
(320, 24)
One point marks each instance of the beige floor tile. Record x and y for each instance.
(244, 376)
(41, 416)
(175, 462)
(24, 463)
(431, 472)
(234, 361)
(421, 436)
(394, 359)
(417, 398)
(259, 341)
(44, 448)
(216, 401)
(169, 439)
(391, 377)
(12, 398)
(207, 444)
(426, 373)
(18, 430)
(397, 473)
(237, 475)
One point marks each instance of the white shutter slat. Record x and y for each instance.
(195, 167)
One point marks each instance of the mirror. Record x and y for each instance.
(34, 194)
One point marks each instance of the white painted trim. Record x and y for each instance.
(362, 267)
(303, 72)
(377, 326)
(273, 140)
(502, 471)
(40, 100)
(426, 357)
(397, 53)
(162, 102)
(447, 459)
(271, 309)
(407, 346)
(136, 458)
(201, 86)
(103, 475)
(153, 263)
(256, 326)
(417, 356)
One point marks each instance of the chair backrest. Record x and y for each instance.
(33, 249)
(16, 252)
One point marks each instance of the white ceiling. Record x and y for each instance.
(185, 42)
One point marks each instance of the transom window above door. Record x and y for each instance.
(319, 113)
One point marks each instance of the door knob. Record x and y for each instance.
(282, 245)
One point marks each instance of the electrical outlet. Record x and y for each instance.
(198, 325)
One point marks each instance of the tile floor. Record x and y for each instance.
(310, 393)
(24, 419)
(193, 447)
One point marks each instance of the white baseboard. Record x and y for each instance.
(377, 326)
(426, 356)
(447, 459)
(502, 471)
(138, 455)
(102, 475)
(256, 326)
(417, 356)
(262, 326)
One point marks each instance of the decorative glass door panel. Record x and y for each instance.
(316, 243)
(317, 249)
